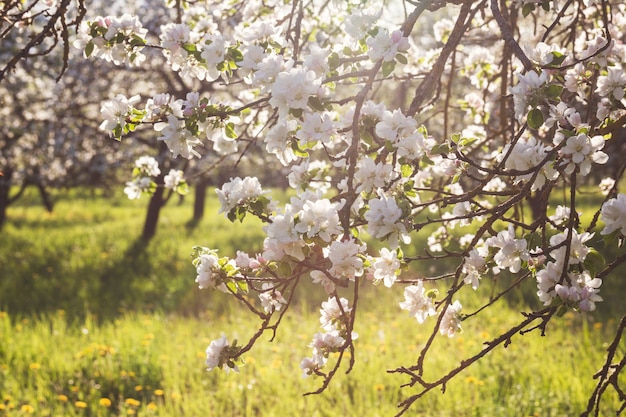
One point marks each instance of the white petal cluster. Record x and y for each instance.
(580, 151)
(384, 221)
(292, 89)
(613, 214)
(271, 299)
(417, 302)
(386, 46)
(386, 267)
(525, 156)
(451, 320)
(238, 191)
(346, 258)
(527, 86)
(333, 318)
(511, 251)
(116, 110)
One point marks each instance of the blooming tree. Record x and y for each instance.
(465, 134)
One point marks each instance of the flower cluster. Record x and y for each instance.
(145, 170)
(146, 167)
(222, 354)
(368, 178)
(334, 317)
(115, 39)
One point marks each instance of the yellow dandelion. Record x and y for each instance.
(7, 397)
(62, 397)
(131, 402)
(74, 388)
(597, 325)
(34, 366)
(138, 388)
(131, 412)
(2, 407)
(27, 408)
(470, 380)
(131, 374)
(379, 387)
(3, 314)
(80, 404)
(159, 392)
(176, 396)
(152, 407)
(104, 402)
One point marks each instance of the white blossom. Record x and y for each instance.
(417, 302)
(271, 299)
(451, 320)
(613, 214)
(386, 267)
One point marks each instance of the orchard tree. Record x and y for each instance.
(475, 134)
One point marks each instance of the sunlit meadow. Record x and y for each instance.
(96, 323)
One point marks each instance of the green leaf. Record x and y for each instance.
(241, 213)
(388, 68)
(401, 59)
(316, 104)
(553, 91)
(182, 188)
(467, 141)
(89, 49)
(440, 149)
(235, 54)
(117, 132)
(557, 59)
(528, 9)
(297, 113)
(298, 151)
(334, 61)
(243, 286)
(535, 118)
(232, 286)
(190, 47)
(594, 262)
(406, 170)
(229, 130)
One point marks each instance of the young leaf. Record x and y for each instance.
(388, 68)
(535, 118)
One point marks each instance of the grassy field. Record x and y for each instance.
(96, 323)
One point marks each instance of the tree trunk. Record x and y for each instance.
(5, 189)
(538, 205)
(199, 200)
(45, 197)
(157, 201)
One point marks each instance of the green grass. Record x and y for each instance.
(89, 254)
(153, 365)
(89, 312)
